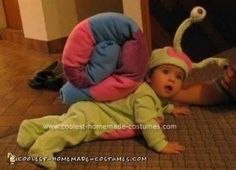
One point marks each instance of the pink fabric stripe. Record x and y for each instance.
(79, 45)
(121, 134)
(113, 88)
(180, 55)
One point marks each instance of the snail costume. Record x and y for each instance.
(89, 120)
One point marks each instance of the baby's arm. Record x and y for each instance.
(146, 117)
(181, 111)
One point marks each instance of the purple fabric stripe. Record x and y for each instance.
(77, 76)
(134, 58)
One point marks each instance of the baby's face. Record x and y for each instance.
(166, 80)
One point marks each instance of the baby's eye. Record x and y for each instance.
(165, 71)
(179, 77)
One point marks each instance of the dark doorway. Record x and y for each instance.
(215, 34)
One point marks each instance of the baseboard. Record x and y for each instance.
(17, 36)
(53, 46)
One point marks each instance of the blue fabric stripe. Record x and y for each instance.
(103, 61)
(112, 26)
(70, 94)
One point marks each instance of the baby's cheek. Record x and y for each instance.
(179, 87)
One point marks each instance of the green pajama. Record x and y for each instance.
(47, 142)
(140, 108)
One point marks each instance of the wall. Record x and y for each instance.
(33, 21)
(52, 19)
(132, 8)
(2, 16)
(47, 19)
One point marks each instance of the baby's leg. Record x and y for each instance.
(31, 129)
(55, 140)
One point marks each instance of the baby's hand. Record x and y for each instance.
(173, 148)
(180, 110)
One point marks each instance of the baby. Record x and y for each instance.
(144, 108)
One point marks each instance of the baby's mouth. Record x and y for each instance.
(168, 88)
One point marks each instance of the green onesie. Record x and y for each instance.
(51, 134)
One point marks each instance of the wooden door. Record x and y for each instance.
(87, 8)
(12, 13)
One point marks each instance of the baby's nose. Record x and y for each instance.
(172, 78)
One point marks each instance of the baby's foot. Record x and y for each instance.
(25, 135)
(42, 158)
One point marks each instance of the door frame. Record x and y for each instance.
(12, 13)
(145, 12)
